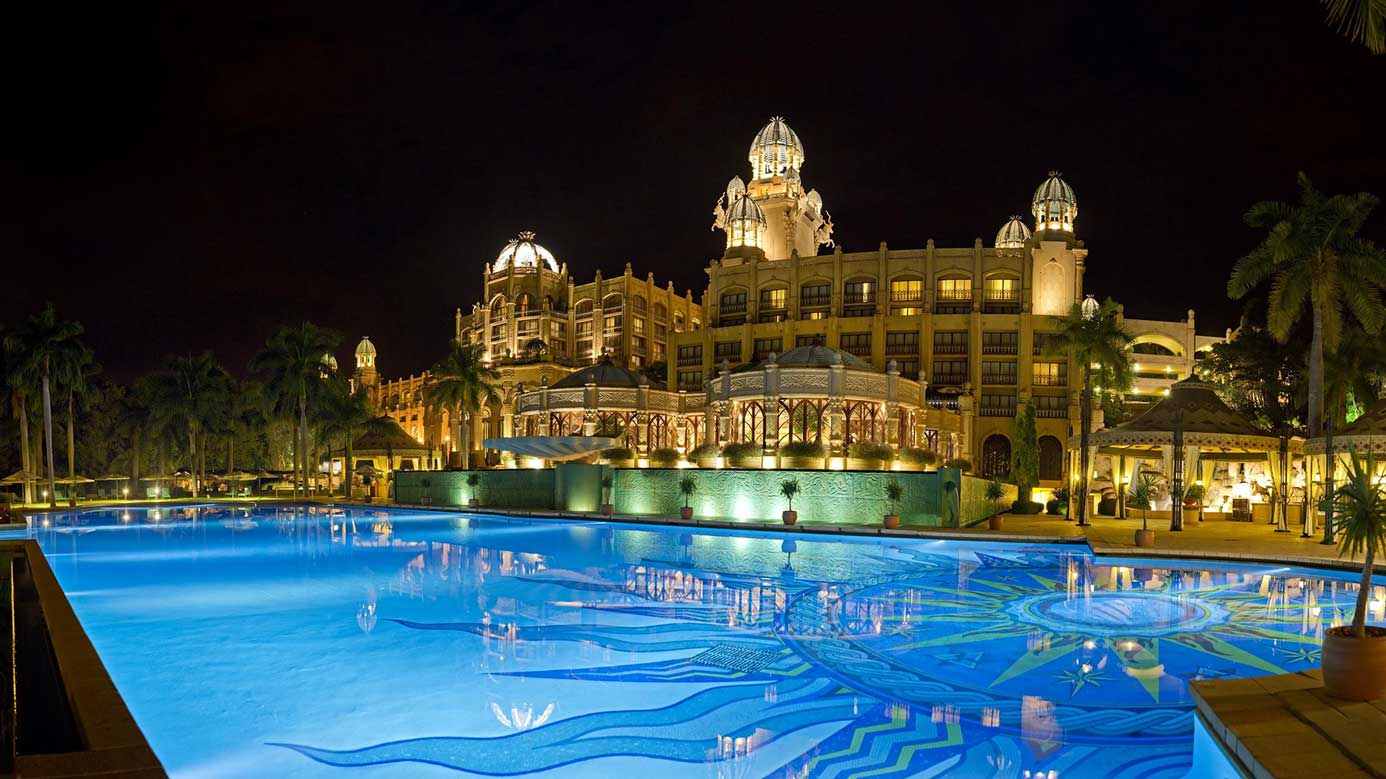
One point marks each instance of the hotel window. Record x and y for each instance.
(955, 290)
(773, 298)
(690, 380)
(906, 291)
(808, 340)
(584, 329)
(657, 354)
(815, 295)
(637, 304)
(637, 344)
(583, 307)
(498, 332)
(998, 372)
(661, 331)
(1051, 407)
(1042, 342)
(612, 323)
(859, 292)
(637, 325)
(764, 346)
(856, 343)
(909, 368)
(821, 313)
(558, 331)
(996, 405)
(661, 313)
(950, 342)
(584, 348)
(949, 373)
(906, 342)
(1050, 374)
(691, 354)
(527, 328)
(1000, 342)
(729, 350)
(1003, 288)
(733, 303)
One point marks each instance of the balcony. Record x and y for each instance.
(690, 359)
(999, 379)
(859, 298)
(997, 411)
(1051, 413)
(898, 349)
(1046, 380)
(948, 379)
(732, 308)
(951, 404)
(860, 350)
(810, 301)
(1001, 302)
(951, 348)
(998, 348)
(906, 296)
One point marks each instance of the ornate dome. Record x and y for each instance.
(1054, 206)
(365, 353)
(523, 252)
(735, 188)
(1012, 234)
(745, 223)
(812, 356)
(603, 374)
(328, 363)
(815, 201)
(775, 150)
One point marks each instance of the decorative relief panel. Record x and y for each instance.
(566, 398)
(804, 382)
(865, 385)
(622, 398)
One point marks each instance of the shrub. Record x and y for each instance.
(911, 454)
(1026, 507)
(866, 450)
(789, 488)
(666, 456)
(740, 450)
(687, 486)
(619, 453)
(802, 449)
(706, 450)
(893, 493)
(961, 463)
(1194, 492)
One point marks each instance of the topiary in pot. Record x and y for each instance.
(705, 456)
(893, 492)
(607, 484)
(868, 456)
(473, 479)
(789, 488)
(1140, 496)
(915, 459)
(742, 455)
(665, 457)
(995, 492)
(1354, 656)
(961, 463)
(802, 454)
(687, 486)
(620, 456)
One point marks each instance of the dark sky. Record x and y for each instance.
(188, 177)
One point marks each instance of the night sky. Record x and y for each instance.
(188, 177)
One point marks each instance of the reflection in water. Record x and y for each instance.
(564, 645)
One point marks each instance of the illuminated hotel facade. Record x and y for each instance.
(955, 335)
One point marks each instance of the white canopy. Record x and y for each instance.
(551, 447)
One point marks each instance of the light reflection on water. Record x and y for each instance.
(328, 642)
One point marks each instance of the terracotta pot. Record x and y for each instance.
(996, 523)
(1145, 538)
(790, 517)
(472, 503)
(892, 520)
(425, 501)
(1355, 668)
(686, 512)
(607, 508)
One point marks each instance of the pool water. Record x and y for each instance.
(317, 642)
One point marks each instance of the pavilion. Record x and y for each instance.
(1211, 433)
(1365, 434)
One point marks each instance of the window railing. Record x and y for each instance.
(893, 349)
(1047, 380)
(948, 379)
(943, 403)
(1051, 413)
(691, 359)
(859, 298)
(906, 295)
(860, 350)
(950, 348)
(997, 411)
(733, 308)
(955, 295)
(998, 348)
(1002, 295)
(1003, 379)
(815, 300)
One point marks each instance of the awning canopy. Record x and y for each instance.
(551, 447)
(1365, 434)
(19, 477)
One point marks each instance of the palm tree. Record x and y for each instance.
(72, 366)
(18, 387)
(460, 383)
(385, 427)
(345, 412)
(292, 363)
(1362, 21)
(192, 392)
(1091, 336)
(1362, 504)
(36, 342)
(1312, 254)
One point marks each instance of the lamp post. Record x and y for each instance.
(1090, 309)
(1330, 465)
(1176, 504)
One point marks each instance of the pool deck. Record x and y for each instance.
(1286, 727)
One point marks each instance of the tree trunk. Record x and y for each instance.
(454, 457)
(202, 461)
(71, 450)
(135, 458)
(25, 454)
(464, 441)
(163, 465)
(1331, 462)
(1316, 377)
(1084, 422)
(1359, 616)
(192, 459)
(48, 436)
(303, 438)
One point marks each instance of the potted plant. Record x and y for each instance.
(1057, 505)
(473, 480)
(665, 457)
(687, 486)
(424, 498)
(994, 494)
(893, 492)
(620, 457)
(868, 456)
(915, 459)
(961, 463)
(802, 454)
(789, 488)
(366, 483)
(607, 483)
(1140, 496)
(1193, 496)
(1354, 656)
(705, 456)
(742, 455)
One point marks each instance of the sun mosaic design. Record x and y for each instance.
(1027, 662)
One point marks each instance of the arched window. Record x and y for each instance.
(1051, 458)
(659, 431)
(637, 303)
(996, 457)
(661, 313)
(613, 302)
(864, 423)
(523, 303)
(498, 305)
(751, 424)
(583, 307)
(801, 420)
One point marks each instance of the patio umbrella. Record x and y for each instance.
(165, 477)
(266, 475)
(114, 477)
(240, 476)
(78, 479)
(19, 477)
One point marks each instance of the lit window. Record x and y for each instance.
(955, 289)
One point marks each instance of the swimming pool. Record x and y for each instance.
(316, 642)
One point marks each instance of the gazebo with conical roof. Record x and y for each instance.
(1364, 434)
(1211, 432)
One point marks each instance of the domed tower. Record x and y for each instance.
(525, 286)
(794, 218)
(365, 376)
(327, 366)
(1055, 208)
(1012, 234)
(743, 222)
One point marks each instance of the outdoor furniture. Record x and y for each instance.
(1241, 509)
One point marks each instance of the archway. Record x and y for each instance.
(996, 457)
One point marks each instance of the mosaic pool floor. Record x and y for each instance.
(315, 642)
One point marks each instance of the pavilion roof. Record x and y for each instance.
(391, 439)
(1207, 422)
(1367, 432)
